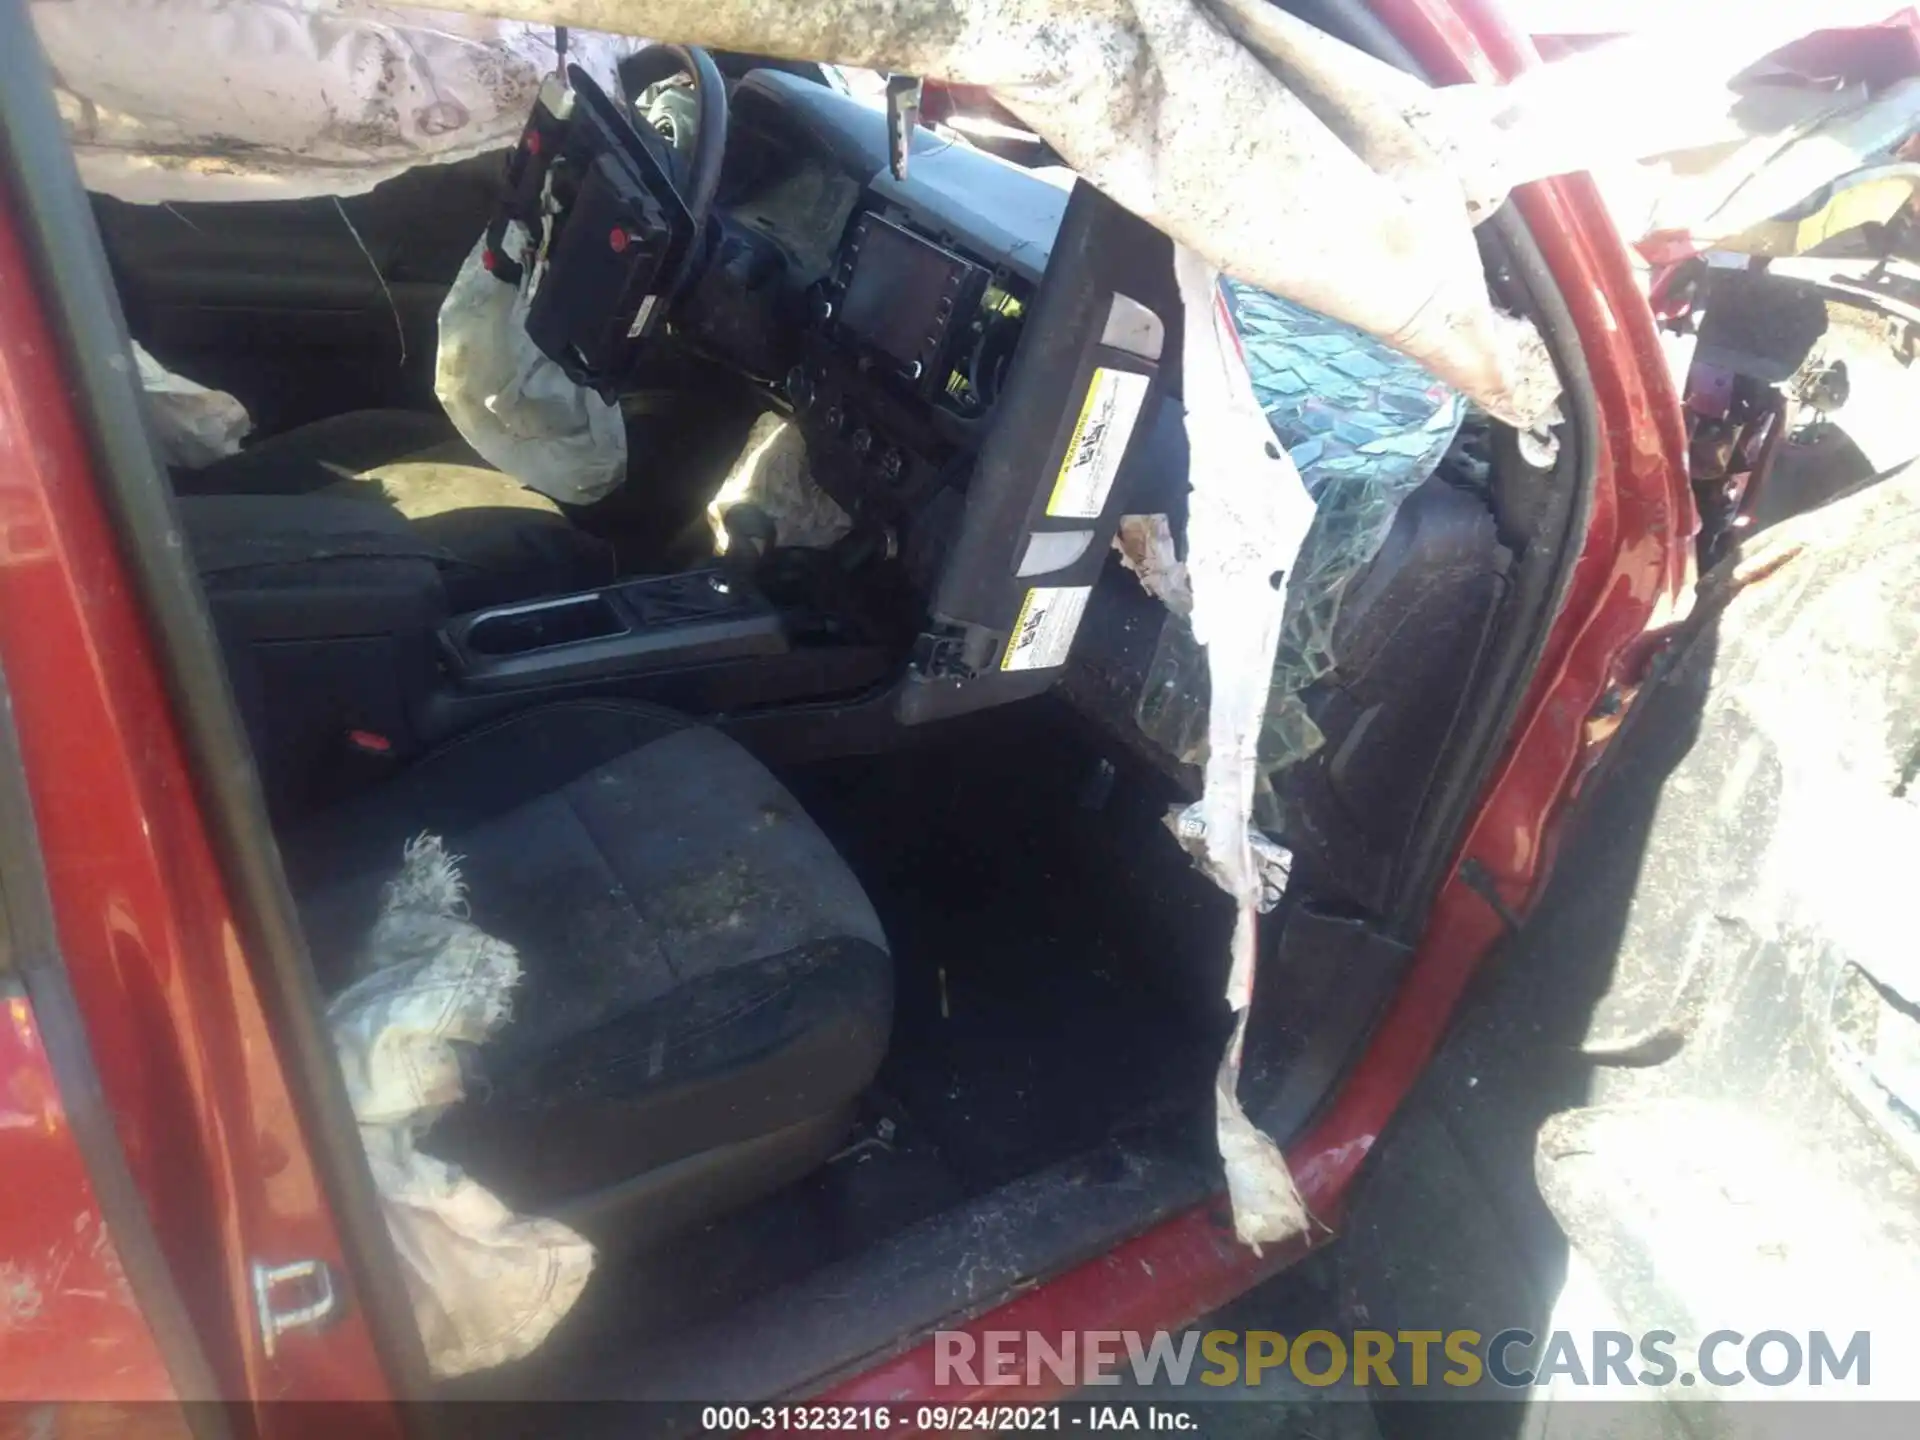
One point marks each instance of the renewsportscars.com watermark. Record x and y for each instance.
(1511, 1359)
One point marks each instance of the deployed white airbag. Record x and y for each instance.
(194, 425)
(772, 474)
(1284, 157)
(487, 1285)
(510, 402)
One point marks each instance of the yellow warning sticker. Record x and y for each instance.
(1099, 443)
(1044, 633)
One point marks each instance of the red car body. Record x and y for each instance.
(184, 1050)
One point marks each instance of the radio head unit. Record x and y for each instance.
(902, 297)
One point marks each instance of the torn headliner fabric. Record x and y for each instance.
(1210, 119)
(512, 403)
(1287, 158)
(284, 99)
(1291, 160)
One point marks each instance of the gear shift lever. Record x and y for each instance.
(751, 539)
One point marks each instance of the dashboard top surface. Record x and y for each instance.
(1000, 212)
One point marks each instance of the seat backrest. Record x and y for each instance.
(326, 610)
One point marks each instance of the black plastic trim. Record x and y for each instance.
(47, 203)
(1539, 594)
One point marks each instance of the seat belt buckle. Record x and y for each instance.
(367, 756)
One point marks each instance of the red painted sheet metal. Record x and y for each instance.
(175, 1022)
(60, 1276)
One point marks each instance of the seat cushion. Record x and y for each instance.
(498, 541)
(699, 966)
(493, 540)
(313, 456)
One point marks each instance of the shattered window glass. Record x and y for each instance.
(1366, 426)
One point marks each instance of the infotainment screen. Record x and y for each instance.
(902, 292)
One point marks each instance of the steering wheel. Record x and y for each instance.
(708, 147)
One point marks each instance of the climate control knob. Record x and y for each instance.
(799, 387)
(892, 466)
(862, 441)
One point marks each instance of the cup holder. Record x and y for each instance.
(523, 628)
(631, 628)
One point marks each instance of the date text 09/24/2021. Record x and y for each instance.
(989, 1419)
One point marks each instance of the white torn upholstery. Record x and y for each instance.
(771, 472)
(194, 425)
(1145, 546)
(487, 1285)
(1247, 514)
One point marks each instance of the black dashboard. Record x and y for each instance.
(976, 356)
(883, 311)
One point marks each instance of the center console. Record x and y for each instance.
(637, 626)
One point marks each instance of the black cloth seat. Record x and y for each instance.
(705, 987)
(492, 539)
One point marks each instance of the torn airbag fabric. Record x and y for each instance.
(487, 1285)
